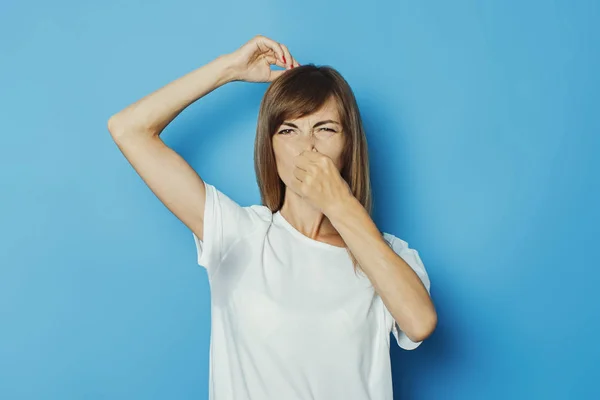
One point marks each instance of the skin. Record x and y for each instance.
(317, 200)
(319, 203)
(293, 147)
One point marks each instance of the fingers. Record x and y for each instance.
(300, 174)
(276, 74)
(282, 52)
(296, 186)
(291, 62)
(312, 155)
(273, 60)
(273, 45)
(303, 162)
(312, 161)
(276, 53)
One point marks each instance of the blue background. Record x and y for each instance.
(483, 128)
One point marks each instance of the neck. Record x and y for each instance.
(304, 217)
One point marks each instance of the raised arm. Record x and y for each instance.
(136, 129)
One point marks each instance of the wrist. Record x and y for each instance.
(342, 207)
(228, 67)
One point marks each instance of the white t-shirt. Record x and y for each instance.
(290, 318)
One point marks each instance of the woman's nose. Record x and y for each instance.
(308, 142)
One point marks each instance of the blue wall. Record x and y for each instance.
(483, 128)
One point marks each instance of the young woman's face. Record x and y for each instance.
(322, 129)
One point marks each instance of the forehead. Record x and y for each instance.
(329, 110)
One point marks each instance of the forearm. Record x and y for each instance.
(151, 114)
(394, 280)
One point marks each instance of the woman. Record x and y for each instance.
(305, 289)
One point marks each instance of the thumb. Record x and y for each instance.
(276, 74)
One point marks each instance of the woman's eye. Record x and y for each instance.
(328, 130)
(288, 131)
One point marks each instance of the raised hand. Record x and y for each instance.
(252, 62)
(319, 182)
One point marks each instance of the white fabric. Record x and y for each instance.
(290, 318)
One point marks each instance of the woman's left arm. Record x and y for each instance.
(400, 288)
(397, 284)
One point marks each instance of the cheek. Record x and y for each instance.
(284, 154)
(333, 151)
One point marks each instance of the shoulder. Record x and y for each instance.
(261, 212)
(408, 254)
(395, 242)
(255, 211)
(399, 245)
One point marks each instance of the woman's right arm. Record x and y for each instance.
(137, 128)
(136, 131)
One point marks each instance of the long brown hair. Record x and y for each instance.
(299, 92)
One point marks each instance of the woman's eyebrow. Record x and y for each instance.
(317, 124)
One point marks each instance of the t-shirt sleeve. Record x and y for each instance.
(412, 258)
(225, 221)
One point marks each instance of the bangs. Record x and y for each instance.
(295, 94)
(300, 94)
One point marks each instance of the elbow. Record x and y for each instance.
(120, 129)
(114, 127)
(426, 327)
